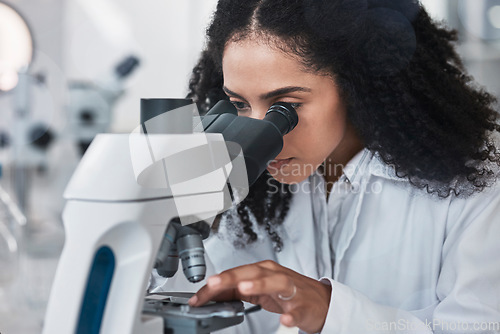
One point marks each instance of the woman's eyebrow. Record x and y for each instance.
(271, 94)
(283, 91)
(230, 92)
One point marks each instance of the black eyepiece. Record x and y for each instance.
(283, 116)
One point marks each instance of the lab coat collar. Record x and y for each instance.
(355, 165)
(381, 169)
(366, 161)
(363, 162)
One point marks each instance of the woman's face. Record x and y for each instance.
(256, 76)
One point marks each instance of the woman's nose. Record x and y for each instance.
(258, 113)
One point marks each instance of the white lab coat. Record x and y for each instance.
(398, 259)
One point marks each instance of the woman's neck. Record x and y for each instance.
(334, 165)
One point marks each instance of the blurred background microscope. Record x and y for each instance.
(70, 69)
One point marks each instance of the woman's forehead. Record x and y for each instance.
(251, 59)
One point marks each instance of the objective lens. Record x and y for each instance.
(167, 259)
(192, 254)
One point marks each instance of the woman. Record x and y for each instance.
(393, 161)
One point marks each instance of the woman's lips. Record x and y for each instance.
(277, 164)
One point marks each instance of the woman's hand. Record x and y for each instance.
(302, 301)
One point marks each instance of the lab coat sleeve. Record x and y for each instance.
(469, 283)
(468, 287)
(352, 312)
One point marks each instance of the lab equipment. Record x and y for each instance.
(91, 103)
(176, 312)
(11, 224)
(259, 140)
(184, 242)
(123, 196)
(16, 55)
(8, 243)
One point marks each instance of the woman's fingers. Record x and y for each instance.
(212, 291)
(288, 320)
(271, 284)
(302, 300)
(204, 295)
(224, 285)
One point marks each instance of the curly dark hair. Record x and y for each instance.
(404, 86)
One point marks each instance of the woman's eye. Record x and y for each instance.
(241, 107)
(296, 105)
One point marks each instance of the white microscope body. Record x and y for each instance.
(120, 200)
(124, 194)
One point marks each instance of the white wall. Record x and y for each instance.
(166, 35)
(438, 9)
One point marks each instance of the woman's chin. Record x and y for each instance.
(287, 178)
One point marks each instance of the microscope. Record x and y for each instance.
(90, 104)
(145, 200)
